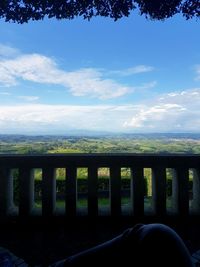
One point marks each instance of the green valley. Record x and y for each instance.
(124, 143)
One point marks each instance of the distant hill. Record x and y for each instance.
(194, 136)
(84, 134)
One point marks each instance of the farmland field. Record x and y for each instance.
(125, 143)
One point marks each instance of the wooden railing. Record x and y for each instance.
(182, 201)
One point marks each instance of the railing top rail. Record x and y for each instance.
(100, 160)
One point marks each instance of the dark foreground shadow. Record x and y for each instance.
(43, 241)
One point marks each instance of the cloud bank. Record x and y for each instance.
(174, 112)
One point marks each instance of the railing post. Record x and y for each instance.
(196, 191)
(6, 191)
(71, 191)
(159, 190)
(26, 188)
(48, 191)
(92, 191)
(115, 190)
(180, 194)
(137, 191)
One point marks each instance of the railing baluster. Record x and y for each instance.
(159, 190)
(196, 191)
(6, 191)
(174, 192)
(71, 191)
(48, 191)
(92, 191)
(180, 192)
(115, 190)
(26, 191)
(137, 191)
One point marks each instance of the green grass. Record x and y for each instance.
(104, 202)
(83, 202)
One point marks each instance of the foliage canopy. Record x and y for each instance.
(22, 11)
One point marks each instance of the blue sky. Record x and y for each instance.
(133, 75)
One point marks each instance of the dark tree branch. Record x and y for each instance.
(24, 10)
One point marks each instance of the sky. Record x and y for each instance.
(130, 76)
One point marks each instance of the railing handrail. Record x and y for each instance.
(100, 159)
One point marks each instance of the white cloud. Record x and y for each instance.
(34, 67)
(145, 86)
(41, 69)
(5, 93)
(60, 118)
(16, 67)
(147, 117)
(6, 79)
(29, 98)
(139, 69)
(197, 69)
(8, 51)
(134, 70)
(177, 111)
(90, 82)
